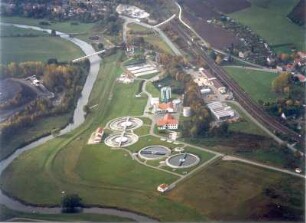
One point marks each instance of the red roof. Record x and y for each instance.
(167, 120)
(163, 186)
(165, 106)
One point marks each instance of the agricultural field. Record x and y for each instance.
(258, 84)
(273, 13)
(218, 38)
(225, 187)
(40, 48)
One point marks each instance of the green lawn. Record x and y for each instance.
(232, 191)
(6, 214)
(21, 49)
(258, 84)
(269, 19)
(100, 176)
(245, 124)
(152, 90)
(15, 31)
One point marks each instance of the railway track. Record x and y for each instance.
(240, 95)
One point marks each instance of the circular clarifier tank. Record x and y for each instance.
(125, 123)
(121, 139)
(154, 152)
(182, 160)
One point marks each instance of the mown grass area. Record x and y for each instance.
(245, 124)
(258, 84)
(99, 175)
(137, 28)
(232, 191)
(152, 90)
(6, 214)
(264, 14)
(19, 49)
(150, 140)
(143, 130)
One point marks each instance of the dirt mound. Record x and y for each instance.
(297, 15)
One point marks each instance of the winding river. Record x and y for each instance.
(78, 119)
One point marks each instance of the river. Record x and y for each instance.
(78, 119)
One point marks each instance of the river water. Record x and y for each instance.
(78, 119)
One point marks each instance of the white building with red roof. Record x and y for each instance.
(167, 122)
(163, 188)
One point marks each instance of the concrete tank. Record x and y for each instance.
(187, 112)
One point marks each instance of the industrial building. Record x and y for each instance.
(221, 111)
(165, 94)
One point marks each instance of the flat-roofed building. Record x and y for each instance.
(221, 111)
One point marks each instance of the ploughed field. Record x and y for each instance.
(197, 14)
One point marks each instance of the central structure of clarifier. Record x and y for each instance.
(123, 139)
(125, 123)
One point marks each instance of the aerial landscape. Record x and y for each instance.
(152, 110)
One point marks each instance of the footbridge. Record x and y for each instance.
(90, 55)
(166, 21)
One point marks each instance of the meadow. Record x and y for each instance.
(225, 187)
(152, 39)
(268, 18)
(258, 84)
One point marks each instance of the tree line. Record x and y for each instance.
(64, 80)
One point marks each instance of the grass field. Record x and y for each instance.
(21, 49)
(7, 214)
(15, 31)
(264, 14)
(152, 90)
(99, 175)
(245, 124)
(258, 84)
(225, 187)
(152, 39)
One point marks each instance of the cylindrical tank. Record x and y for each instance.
(187, 112)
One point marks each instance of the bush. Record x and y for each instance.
(71, 203)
